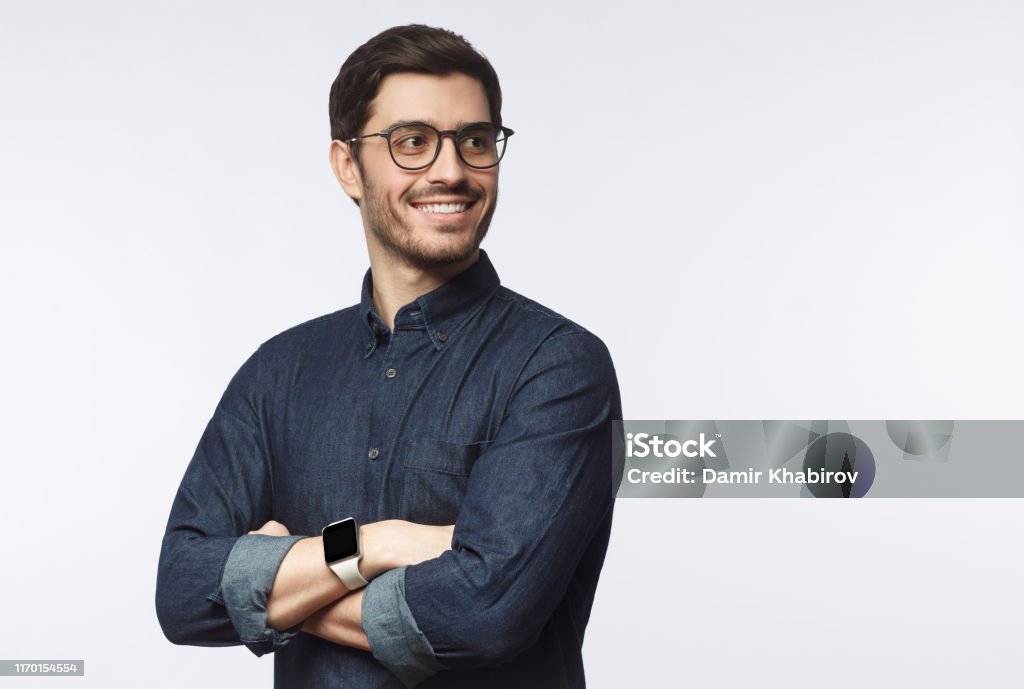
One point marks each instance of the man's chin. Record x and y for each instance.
(439, 256)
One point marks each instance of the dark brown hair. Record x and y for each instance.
(413, 48)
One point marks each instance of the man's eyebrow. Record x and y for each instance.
(433, 123)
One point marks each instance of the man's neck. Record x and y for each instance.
(396, 283)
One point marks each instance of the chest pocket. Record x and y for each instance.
(436, 475)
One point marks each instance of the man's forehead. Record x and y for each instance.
(441, 100)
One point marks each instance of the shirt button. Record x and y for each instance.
(442, 337)
(374, 453)
(390, 373)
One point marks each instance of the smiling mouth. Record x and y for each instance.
(444, 208)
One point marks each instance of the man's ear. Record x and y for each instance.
(346, 169)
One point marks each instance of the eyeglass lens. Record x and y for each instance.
(416, 146)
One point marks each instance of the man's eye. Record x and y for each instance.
(476, 144)
(413, 141)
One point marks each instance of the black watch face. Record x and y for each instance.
(340, 540)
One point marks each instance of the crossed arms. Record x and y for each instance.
(534, 501)
(306, 591)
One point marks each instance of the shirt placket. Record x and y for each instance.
(393, 367)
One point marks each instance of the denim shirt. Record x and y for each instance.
(480, 408)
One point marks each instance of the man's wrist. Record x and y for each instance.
(375, 558)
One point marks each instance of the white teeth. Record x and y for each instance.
(443, 207)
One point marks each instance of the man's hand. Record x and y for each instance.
(272, 528)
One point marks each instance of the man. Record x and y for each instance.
(460, 429)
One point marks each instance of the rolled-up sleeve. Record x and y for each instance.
(534, 502)
(394, 638)
(248, 577)
(213, 581)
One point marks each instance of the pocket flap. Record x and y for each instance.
(442, 456)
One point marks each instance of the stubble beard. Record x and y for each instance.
(396, 237)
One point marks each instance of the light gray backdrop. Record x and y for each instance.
(766, 209)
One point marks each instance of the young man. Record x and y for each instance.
(458, 429)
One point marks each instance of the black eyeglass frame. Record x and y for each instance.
(441, 133)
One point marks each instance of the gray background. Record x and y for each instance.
(768, 210)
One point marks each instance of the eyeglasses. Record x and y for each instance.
(416, 145)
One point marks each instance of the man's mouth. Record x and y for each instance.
(446, 208)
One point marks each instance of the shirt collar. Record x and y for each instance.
(442, 311)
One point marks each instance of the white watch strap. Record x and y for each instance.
(348, 572)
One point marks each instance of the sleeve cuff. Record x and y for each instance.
(248, 577)
(394, 638)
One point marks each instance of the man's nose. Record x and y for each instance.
(448, 168)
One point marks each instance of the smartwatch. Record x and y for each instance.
(341, 552)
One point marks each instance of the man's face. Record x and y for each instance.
(402, 209)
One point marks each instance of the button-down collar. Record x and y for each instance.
(441, 311)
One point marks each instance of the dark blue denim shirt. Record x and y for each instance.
(481, 408)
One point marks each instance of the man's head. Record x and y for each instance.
(428, 217)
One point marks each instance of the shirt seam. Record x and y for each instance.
(519, 374)
(523, 303)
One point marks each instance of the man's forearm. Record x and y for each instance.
(303, 585)
(340, 622)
